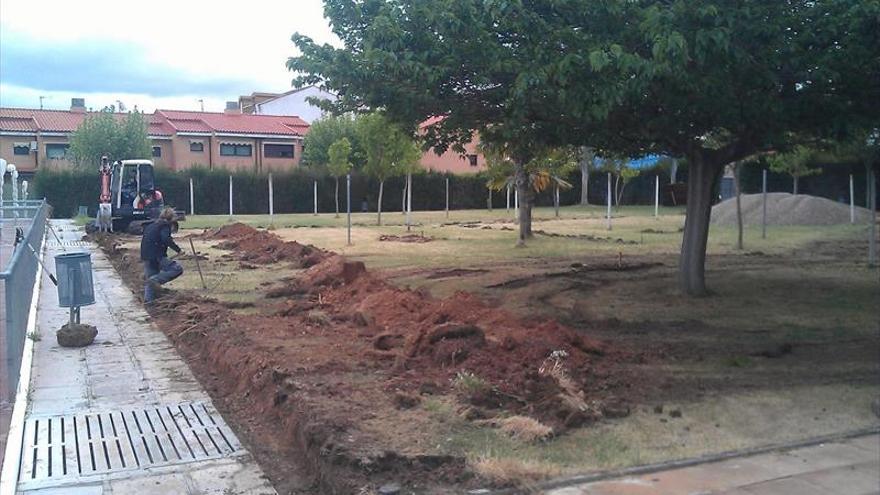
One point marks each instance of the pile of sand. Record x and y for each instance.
(786, 209)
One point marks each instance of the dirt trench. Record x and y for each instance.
(324, 381)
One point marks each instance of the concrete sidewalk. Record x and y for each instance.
(847, 467)
(124, 415)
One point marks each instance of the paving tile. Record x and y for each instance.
(624, 486)
(158, 484)
(785, 486)
(870, 443)
(717, 476)
(847, 480)
(94, 489)
(831, 455)
(235, 476)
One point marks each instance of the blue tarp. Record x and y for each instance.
(644, 162)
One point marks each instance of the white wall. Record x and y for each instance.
(295, 104)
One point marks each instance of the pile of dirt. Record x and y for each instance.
(260, 247)
(431, 342)
(787, 209)
(417, 238)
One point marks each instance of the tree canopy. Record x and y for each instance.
(105, 133)
(326, 131)
(709, 81)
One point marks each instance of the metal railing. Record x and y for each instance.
(17, 280)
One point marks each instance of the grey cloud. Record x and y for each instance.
(103, 66)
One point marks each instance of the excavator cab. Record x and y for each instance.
(133, 195)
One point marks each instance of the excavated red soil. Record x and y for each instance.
(327, 373)
(261, 247)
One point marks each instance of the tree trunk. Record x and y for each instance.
(692, 261)
(336, 197)
(403, 202)
(526, 197)
(795, 188)
(617, 193)
(379, 206)
(739, 214)
(586, 161)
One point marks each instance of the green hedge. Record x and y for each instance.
(67, 189)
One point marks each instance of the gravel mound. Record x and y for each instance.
(786, 209)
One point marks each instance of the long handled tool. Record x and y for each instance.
(57, 239)
(198, 266)
(37, 256)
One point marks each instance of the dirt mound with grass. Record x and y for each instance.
(415, 238)
(787, 209)
(260, 247)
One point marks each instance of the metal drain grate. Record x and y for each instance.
(70, 244)
(60, 448)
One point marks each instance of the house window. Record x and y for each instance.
(197, 146)
(472, 159)
(278, 151)
(228, 149)
(21, 149)
(56, 151)
(157, 152)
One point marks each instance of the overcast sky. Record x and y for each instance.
(154, 54)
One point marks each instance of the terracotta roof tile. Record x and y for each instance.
(161, 123)
(185, 121)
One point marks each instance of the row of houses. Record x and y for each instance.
(260, 133)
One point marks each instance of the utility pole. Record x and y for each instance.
(201, 103)
(41, 101)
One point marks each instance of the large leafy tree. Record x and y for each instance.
(471, 63)
(326, 131)
(710, 81)
(716, 82)
(120, 137)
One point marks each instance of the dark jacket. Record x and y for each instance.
(156, 241)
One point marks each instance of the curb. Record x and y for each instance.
(663, 466)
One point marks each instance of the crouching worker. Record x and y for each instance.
(158, 268)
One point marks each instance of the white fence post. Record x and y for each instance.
(447, 197)
(271, 202)
(657, 197)
(608, 213)
(192, 201)
(230, 195)
(348, 203)
(508, 199)
(516, 204)
(408, 201)
(764, 198)
(852, 201)
(316, 197)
